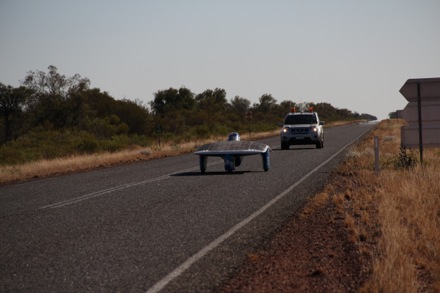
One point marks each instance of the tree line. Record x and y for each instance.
(51, 106)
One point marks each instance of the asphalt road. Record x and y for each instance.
(158, 225)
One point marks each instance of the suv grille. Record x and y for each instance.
(301, 130)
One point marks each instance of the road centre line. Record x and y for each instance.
(102, 192)
(161, 284)
(117, 188)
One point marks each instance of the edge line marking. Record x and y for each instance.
(211, 246)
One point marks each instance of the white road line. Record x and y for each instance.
(102, 192)
(116, 188)
(204, 251)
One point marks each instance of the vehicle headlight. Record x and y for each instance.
(314, 129)
(285, 129)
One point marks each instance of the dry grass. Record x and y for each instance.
(410, 223)
(317, 201)
(45, 168)
(394, 216)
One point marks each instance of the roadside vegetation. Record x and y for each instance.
(393, 217)
(82, 162)
(54, 120)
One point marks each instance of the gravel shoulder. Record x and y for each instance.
(311, 253)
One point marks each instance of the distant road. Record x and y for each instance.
(155, 225)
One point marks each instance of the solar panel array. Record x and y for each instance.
(233, 146)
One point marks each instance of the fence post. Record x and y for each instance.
(376, 155)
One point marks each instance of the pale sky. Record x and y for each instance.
(351, 54)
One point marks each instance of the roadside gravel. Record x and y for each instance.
(311, 253)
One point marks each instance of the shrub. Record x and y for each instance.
(407, 159)
(88, 145)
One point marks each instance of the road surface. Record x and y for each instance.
(157, 225)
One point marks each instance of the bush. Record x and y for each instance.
(200, 131)
(10, 155)
(407, 159)
(88, 145)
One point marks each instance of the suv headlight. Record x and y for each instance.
(314, 129)
(285, 130)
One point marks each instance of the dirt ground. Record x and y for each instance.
(312, 253)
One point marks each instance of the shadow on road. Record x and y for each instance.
(295, 149)
(207, 173)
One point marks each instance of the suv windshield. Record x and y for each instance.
(300, 119)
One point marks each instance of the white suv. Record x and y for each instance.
(302, 128)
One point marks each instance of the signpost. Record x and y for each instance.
(422, 114)
(158, 132)
(249, 118)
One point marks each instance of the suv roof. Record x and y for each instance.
(301, 118)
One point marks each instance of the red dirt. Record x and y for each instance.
(312, 253)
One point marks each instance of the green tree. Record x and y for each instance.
(133, 114)
(267, 102)
(54, 84)
(240, 105)
(212, 100)
(12, 101)
(57, 99)
(170, 100)
(172, 109)
(213, 104)
(286, 106)
(326, 111)
(100, 105)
